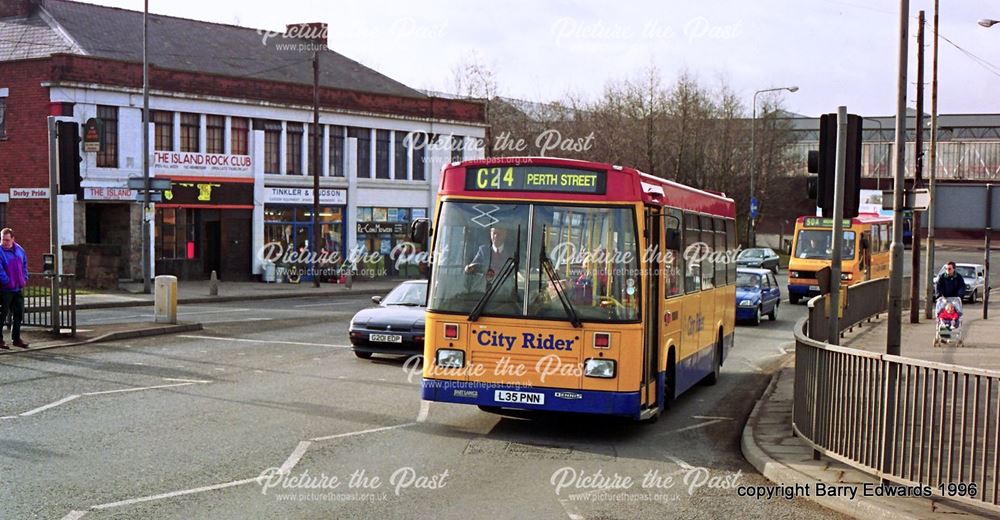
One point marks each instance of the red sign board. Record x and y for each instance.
(92, 135)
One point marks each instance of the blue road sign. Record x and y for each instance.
(754, 209)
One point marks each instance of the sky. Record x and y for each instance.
(838, 52)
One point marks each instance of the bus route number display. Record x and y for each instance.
(535, 178)
(823, 222)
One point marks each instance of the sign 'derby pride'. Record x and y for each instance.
(526, 340)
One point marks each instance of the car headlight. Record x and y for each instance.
(449, 358)
(603, 368)
(746, 303)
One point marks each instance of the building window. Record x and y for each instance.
(3, 118)
(364, 137)
(108, 156)
(399, 154)
(190, 128)
(419, 144)
(293, 149)
(272, 146)
(238, 135)
(163, 130)
(175, 234)
(457, 143)
(337, 151)
(382, 154)
(215, 134)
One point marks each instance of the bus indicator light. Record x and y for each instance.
(602, 340)
(450, 331)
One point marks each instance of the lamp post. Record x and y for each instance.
(753, 156)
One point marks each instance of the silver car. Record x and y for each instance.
(975, 281)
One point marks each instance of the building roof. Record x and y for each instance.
(62, 26)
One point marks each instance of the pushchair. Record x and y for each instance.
(945, 333)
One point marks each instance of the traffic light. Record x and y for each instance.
(812, 182)
(69, 157)
(827, 165)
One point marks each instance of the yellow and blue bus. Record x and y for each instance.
(573, 286)
(864, 252)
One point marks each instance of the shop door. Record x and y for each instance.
(213, 248)
(236, 247)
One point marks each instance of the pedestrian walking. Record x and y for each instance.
(13, 279)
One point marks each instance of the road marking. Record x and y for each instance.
(123, 390)
(174, 494)
(270, 342)
(64, 400)
(8, 417)
(362, 432)
(711, 417)
(425, 408)
(294, 458)
(679, 462)
(182, 380)
(74, 515)
(326, 304)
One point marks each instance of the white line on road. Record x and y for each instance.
(425, 408)
(695, 426)
(272, 342)
(64, 400)
(8, 417)
(362, 432)
(123, 390)
(182, 380)
(174, 494)
(679, 462)
(325, 304)
(74, 515)
(294, 458)
(708, 417)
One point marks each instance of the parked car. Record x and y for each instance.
(395, 326)
(975, 280)
(762, 257)
(757, 294)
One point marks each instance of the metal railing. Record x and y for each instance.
(38, 304)
(906, 421)
(862, 301)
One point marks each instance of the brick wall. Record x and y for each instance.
(73, 68)
(24, 154)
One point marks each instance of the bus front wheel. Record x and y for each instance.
(713, 376)
(793, 299)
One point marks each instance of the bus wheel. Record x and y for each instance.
(793, 299)
(670, 388)
(713, 377)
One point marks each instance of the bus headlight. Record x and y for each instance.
(449, 358)
(846, 276)
(603, 368)
(793, 274)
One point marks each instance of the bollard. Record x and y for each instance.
(213, 284)
(165, 299)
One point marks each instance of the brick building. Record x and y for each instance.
(230, 127)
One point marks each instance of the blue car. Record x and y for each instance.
(757, 294)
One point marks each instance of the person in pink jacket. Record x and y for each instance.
(13, 279)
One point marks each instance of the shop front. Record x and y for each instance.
(382, 234)
(112, 221)
(204, 225)
(288, 232)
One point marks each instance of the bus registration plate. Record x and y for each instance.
(386, 338)
(507, 396)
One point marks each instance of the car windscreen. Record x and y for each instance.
(410, 294)
(748, 280)
(752, 253)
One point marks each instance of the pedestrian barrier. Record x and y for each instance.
(38, 304)
(934, 427)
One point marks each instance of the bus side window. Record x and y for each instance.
(708, 239)
(673, 259)
(692, 271)
(731, 249)
(718, 248)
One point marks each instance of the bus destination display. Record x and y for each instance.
(535, 178)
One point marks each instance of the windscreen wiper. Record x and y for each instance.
(545, 264)
(511, 265)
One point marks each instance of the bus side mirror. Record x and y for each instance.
(673, 238)
(419, 230)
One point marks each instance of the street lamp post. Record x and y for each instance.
(753, 156)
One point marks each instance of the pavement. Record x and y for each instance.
(38, 339)
(770, 446)
(131, 294)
